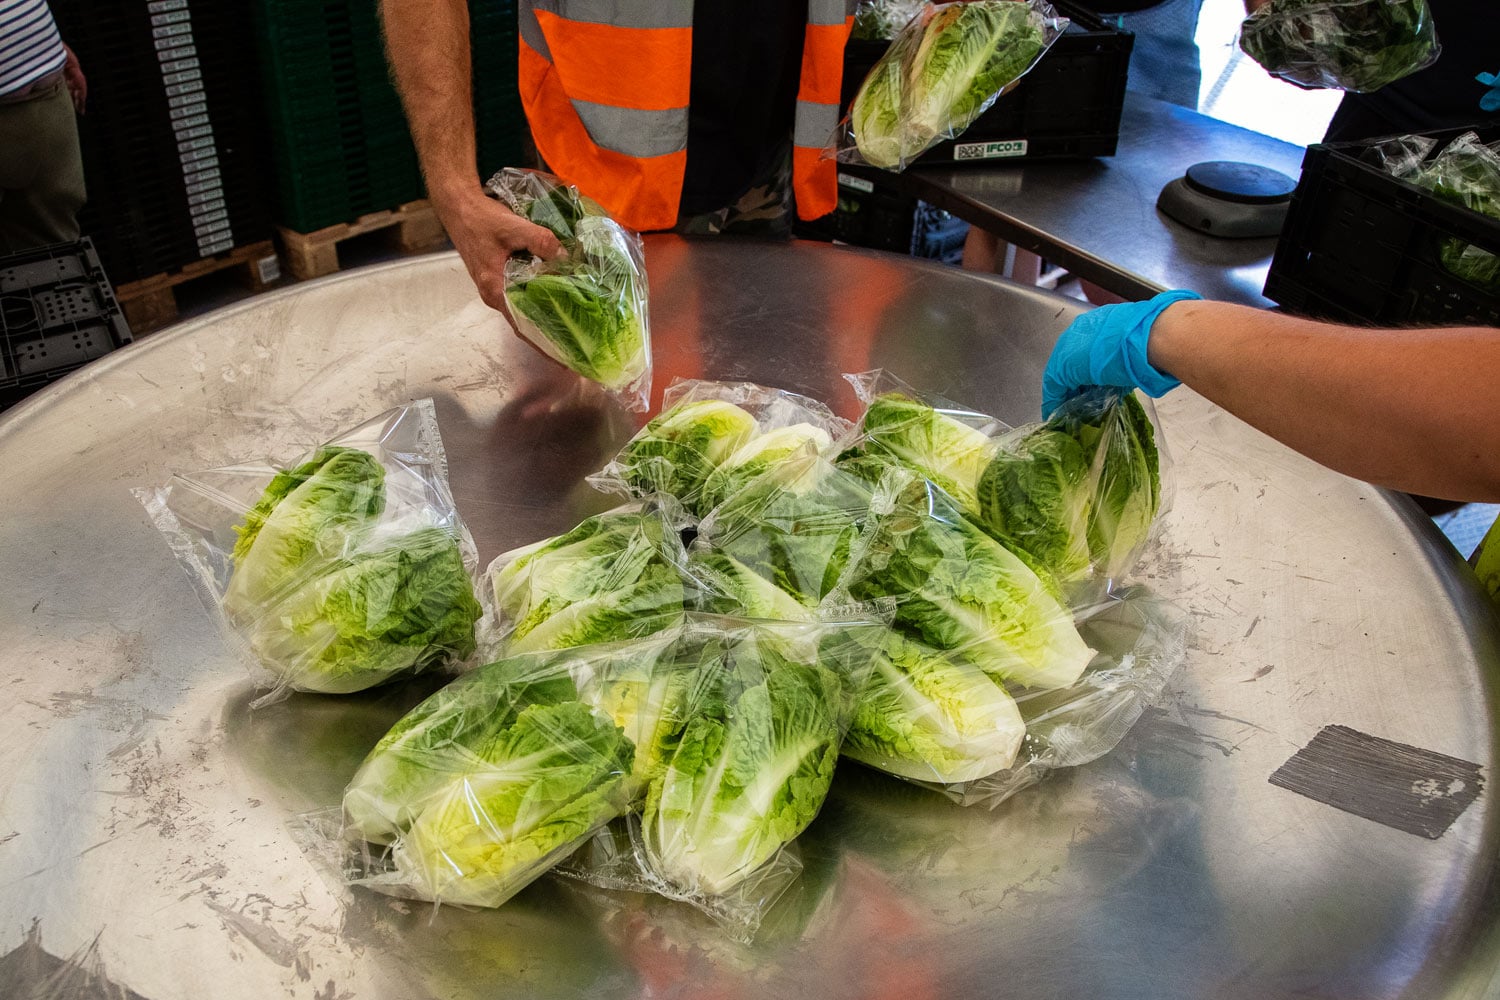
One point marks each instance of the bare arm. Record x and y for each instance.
(428, 45)
(1415, 410)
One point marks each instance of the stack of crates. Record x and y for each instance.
(339, 141)
(57, 313)
(339, 138)
(173, 140)
(498, 118)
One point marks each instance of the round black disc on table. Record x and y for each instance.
(1246, 183)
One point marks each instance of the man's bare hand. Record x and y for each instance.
(73, 78)
(485, 233)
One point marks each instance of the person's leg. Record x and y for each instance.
(41, 172)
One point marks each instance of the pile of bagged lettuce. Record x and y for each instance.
(1465, 172)
(668, 686)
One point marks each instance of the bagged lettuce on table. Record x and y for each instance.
(943, 70)
(1078, 494)
(1357, 45)
(711, 438)
(934, 718)
(587, 309)
(508, 770)
(766, 707)
(336, 572)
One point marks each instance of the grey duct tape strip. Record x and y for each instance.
(1403, 787)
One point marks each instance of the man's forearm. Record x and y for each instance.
(428, 45)
(1416, 410)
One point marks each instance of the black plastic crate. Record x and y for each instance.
(1068, 106)
(1359, 245)
(872, 212)
(57, 313)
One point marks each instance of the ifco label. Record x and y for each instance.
(990, 150)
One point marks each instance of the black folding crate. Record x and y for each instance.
(1361, 246)
(57, 313)
(1068, 106)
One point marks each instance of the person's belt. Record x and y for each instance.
(40, 87)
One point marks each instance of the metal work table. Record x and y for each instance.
(1098, 217)
(149, 821)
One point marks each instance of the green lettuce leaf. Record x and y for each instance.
(541, 787)
(311, 512)
(929, 716)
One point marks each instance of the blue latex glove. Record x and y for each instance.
(1107, 346)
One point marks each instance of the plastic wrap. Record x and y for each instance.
(1466, 172)
(1357, 45)
(587, 309)
(617, 575)
(882, 20)
(935, 719)
(798, 527)
(943, 70)
(505, 772)
(713, 437)
(1079, 494)
(339, 571)
(763, 719)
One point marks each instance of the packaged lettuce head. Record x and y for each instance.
(1358, 45)
(1466, 172)
(587, 310)
(938, 719)
(338, 570)
(713, 437)
(617, 575)
(765, 711)
(1079, 494)
(508, 770)
(943, 70)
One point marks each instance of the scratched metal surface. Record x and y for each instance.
(148, 832)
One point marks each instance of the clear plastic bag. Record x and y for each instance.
(713, 437)
(1079, 494)
(943, 70)
(798, 527)
(508, 770)
(763, 718)
(882, 20)
(1466, 172)
(587, 310)
(1357, 45)
(617, 575)
(339, 571)
(937, 720)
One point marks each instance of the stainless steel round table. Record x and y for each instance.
(152, 826)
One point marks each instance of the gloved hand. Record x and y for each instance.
(1107, 346)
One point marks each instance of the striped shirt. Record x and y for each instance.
(30, 46)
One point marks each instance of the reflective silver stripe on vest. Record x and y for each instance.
(828, 11)
(655, 14)
(814, 124)
(531, 32)
(634, 132)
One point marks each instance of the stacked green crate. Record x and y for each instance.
(498, 118)
(339, 140)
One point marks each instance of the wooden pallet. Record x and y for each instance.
(414, 227)
(151, 303)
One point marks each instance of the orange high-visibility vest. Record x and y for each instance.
(605, 86)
